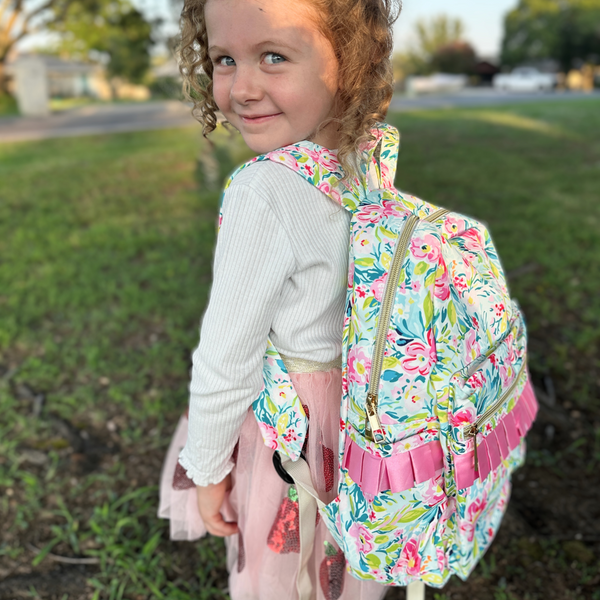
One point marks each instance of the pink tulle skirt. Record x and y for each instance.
(263, 559)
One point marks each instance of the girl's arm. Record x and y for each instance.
(253, 259)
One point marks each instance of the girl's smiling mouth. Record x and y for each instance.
(257, 119)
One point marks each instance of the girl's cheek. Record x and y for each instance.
(221, 92)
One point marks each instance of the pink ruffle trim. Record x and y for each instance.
(403, 471)
(397, 473)
(499, 442)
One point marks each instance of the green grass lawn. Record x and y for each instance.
(105, 261)
(8, 106)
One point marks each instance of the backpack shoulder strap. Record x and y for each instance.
(321, 168)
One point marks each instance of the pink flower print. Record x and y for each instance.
(378, 574)
(473, 240)
(335, 194)
(392, 336)
(410, 560)
(473, 513)
(442, 282)
(370, 213)
(311, 172)
(342, 425)
(362, 537)
(477, 379)
(441, 559)
(453, 225)
(350, 273)
(360, 291)
(499, 309)
(417, 358)
(290, 435)
(385, 175)
(326, 188)
(426, 247)
(493, 360)
(325, 158)
(460, 282)
(504, 375)
(269, 434)
(378, 286)
(472, 345)
(463, 417)
(435, 491)
(286, 158)
(420, 357)
(359, 365)
(475, 321)
(393, 208)
(416, 286)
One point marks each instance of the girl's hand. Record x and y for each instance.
(210, 501)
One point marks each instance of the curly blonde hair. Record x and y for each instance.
(360, 32)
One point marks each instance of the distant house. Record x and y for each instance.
(65, 78)
(486, 70)
(39, 77)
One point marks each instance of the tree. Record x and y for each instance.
(20, 18)
(431, 35)
(458, 57)
(563, 30)
(114, 28)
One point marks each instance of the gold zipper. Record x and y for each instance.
(373, 429)
(471, 430)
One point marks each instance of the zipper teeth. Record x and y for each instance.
(491, 351)
(390, 295)
(498, 404)
(388, 302)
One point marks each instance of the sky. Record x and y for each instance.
(483, 19)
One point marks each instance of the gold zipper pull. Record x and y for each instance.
(376, 430)
(471, 432)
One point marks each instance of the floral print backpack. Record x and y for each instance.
(436, 395)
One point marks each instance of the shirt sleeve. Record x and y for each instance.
(253, 259)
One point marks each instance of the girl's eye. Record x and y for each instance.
(272, 58)
(225, 61)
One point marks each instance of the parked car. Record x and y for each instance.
(437, 83)
(525, 79)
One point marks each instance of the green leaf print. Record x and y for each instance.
(272, 408)
(365, 261)
(381, 539)
(369, 300)
(430, 280)
(428, 308)
(373, 560)
(412, 515)
(390, 362)
(452, 312)
(421, 268)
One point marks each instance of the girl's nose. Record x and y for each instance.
(246, 86)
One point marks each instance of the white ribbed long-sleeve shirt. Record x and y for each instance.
(280, 271)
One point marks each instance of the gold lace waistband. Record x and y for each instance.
(300, 365)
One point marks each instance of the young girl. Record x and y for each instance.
(280, 71)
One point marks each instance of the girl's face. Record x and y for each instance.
(275, 75)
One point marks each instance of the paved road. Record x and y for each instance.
(97, 119)
(113, 118)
